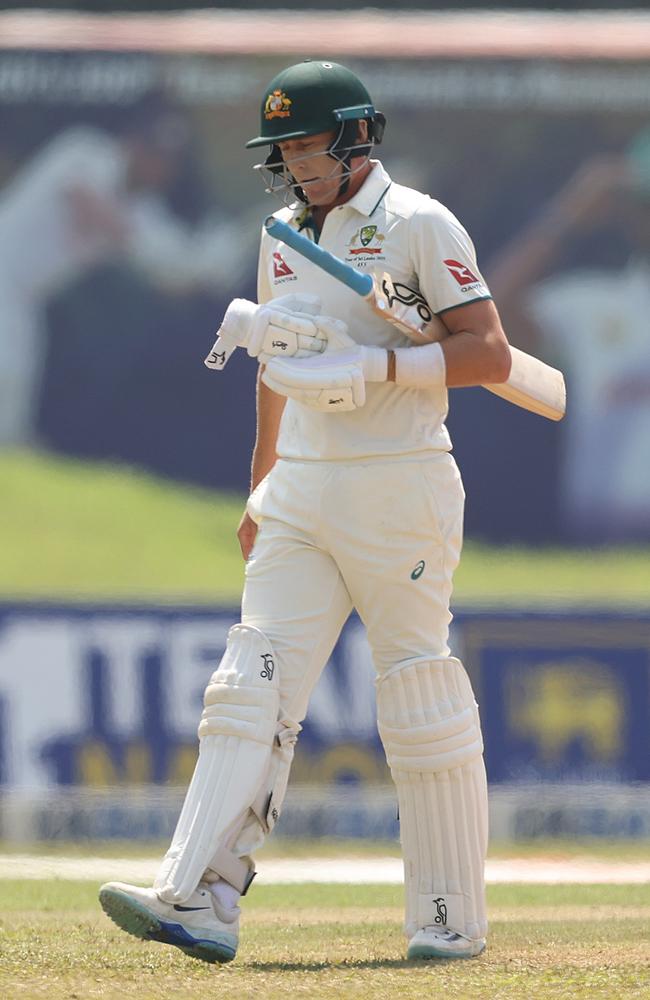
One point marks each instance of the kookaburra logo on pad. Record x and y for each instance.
(441, 907)
(396, 291)
(268, 668)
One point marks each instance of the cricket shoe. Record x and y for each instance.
(429, 942)
(199, 926)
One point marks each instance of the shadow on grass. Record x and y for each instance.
(367, 963)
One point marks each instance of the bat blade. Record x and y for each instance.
(531, 385)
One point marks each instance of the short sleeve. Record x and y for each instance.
(444, 259)
(264, 291)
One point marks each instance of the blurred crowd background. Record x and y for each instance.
(130, 216)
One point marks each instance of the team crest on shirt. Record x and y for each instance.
(366, 243)
(278, 105)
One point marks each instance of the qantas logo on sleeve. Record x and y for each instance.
(461, 273)
(280, 267)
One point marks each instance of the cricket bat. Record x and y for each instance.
(532, 384)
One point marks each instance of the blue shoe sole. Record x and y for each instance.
(136, 919)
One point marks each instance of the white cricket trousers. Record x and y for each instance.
(380, 535)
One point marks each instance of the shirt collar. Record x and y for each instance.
(365, 201)
(372, 191)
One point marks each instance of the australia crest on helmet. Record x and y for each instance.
(277, 105)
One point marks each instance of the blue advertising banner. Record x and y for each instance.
(98, 697)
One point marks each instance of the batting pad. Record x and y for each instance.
(237, 732)
(429, 725)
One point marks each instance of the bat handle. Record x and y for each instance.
(358, 282)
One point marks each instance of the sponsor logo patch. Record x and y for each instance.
(281, 270)
(461, 273)
(418, 570)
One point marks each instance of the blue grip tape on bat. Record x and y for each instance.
(362, 284)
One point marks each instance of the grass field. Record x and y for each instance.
(557, 848)
(332, 941)
(85, 531)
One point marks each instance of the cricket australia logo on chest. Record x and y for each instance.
(364, 245)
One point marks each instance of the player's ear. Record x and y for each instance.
(362, 133)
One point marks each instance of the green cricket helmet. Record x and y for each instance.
(307, 99)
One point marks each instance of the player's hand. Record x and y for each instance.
(289, 326)
(333, 382)
(246, 533)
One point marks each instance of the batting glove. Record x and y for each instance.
(333, 382)
(289, 326)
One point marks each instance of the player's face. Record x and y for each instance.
(315, 171)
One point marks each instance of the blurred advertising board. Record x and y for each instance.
(105, 697)
(129, 218)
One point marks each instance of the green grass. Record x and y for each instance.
(546, 942)
(594, 848)
(75, 530)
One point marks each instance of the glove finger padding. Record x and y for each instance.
(219, 355)
(297, 302)
(284, 344)
(275, 332)
(335, 332)
(234, 332)
(324, 383)
(279, 342)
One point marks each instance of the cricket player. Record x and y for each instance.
(356, 502)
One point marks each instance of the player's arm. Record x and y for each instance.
(477, 352)
(270, 408)
(472, 341)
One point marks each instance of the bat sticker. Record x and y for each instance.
(397, 291)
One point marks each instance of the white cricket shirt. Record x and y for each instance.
(384, 227)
